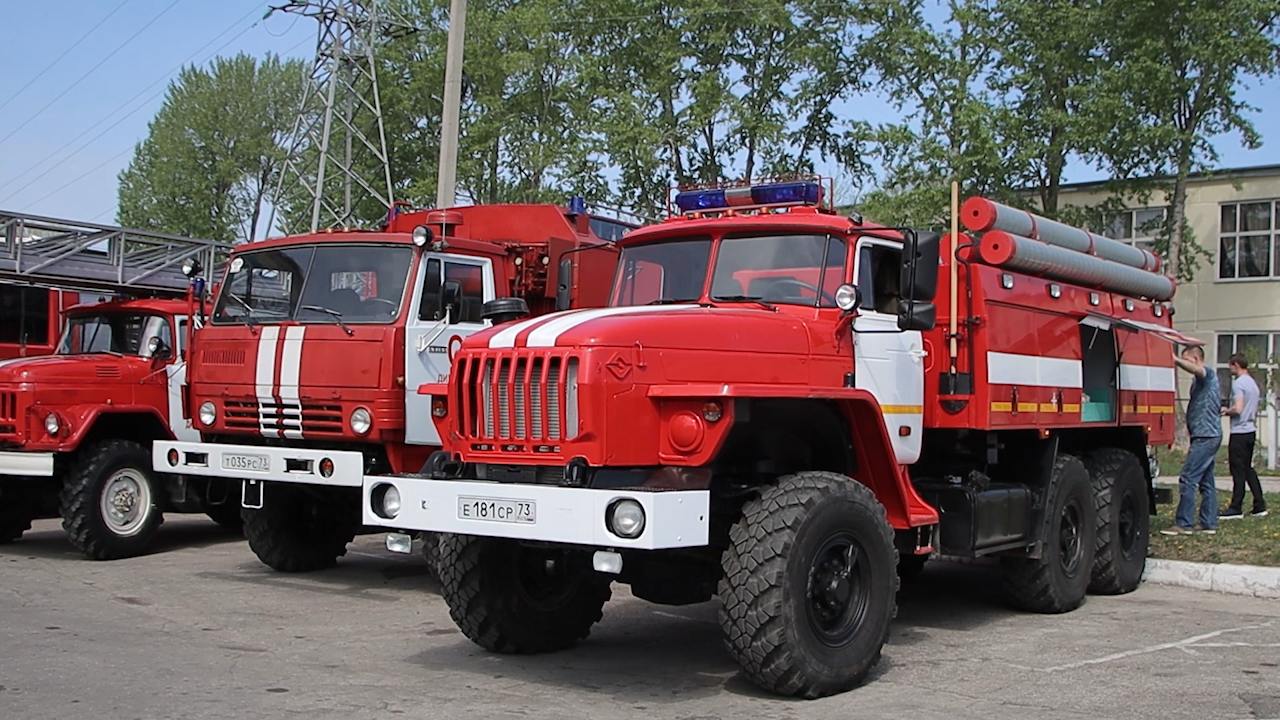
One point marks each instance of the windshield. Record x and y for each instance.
(119, 333)
(315, 284)
(784, 269)
(669, 271)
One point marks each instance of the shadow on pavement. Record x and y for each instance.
(47, 539)
(362, 573)
(643, 653)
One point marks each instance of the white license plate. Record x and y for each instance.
(252, 463)
(498, 510)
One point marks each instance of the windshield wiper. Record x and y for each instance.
(247, 318)
(332, 313)
(745, 298)
(665, 301)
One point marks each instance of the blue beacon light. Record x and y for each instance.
(772, 194)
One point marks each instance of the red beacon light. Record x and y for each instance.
(782, 193)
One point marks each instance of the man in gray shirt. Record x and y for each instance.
(1243, 412)
(1204, 425)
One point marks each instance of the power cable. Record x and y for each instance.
(19, 176)
(56, 60)
(99, 64)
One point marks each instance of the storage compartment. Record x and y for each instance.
(974, 518)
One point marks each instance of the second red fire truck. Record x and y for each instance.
(307, 375)
(790, 409)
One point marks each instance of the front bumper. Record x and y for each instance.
(275, 464)
(31, 464)
(576, 516)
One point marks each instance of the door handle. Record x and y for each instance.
(918, 353)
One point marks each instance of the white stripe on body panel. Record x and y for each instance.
(506, 337)
(1147, 377)
(1034, 370)
(547, 335)
(176, 374)
(290, 369)
(265, 376)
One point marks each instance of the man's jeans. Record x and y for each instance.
(1197, 474)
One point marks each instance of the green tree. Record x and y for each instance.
(1173, 82)
(213, 151)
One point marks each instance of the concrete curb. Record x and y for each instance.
(1262, 582)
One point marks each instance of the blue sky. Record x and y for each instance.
(89, 129)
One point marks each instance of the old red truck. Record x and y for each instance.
(775, 409)
(307, 376)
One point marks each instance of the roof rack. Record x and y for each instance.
(73, 255)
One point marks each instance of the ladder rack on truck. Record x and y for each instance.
(71, 254)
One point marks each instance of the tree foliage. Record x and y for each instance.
(210, 159)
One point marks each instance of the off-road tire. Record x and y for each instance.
(769, 625)
(227, 512)
(1121, 504)
(18, 508)
(81, 500)
(481, 582)
(1045, 584)
(300, 529)
(431, 551)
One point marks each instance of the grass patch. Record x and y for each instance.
(1248, 541)
(1171, 460)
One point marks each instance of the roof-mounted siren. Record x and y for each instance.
(757, 196)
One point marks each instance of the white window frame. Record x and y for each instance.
(1265, 364)
(1272, 234)
(1131, 228)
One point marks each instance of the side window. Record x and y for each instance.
(879, 273)
(471, 299)
(24, 315)
(429, 307)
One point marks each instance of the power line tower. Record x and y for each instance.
(338, 145)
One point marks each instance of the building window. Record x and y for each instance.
(1246, 240)
(1259, 348)
(1138, 227)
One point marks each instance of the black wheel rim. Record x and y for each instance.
(1127, 525)
(544, 579)
(1070, 529)
(838, 590)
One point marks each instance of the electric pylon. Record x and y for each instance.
(338, 145)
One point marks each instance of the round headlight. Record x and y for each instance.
(51, 424)
(361, 421)
(422, 235)
(208, 413)
(626, 519)
(391, 501)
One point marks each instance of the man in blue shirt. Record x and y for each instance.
(1204, 424)
(1243, 411)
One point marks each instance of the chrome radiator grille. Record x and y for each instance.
(519, 396)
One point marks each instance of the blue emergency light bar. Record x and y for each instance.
(785, 193)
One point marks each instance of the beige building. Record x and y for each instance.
(1233, 304)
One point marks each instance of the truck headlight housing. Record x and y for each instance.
(208, 413)
(384, 499)
(625, 518)
(52, 425)
(361, 421)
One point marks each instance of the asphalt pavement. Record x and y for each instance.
(200, 629)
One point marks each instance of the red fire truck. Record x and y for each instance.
(306, 377)
(31, 319)
(774, 410)
(76, 425)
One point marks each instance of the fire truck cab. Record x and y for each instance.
(306, 376)
(774, 409)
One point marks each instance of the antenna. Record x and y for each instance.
(338, 146)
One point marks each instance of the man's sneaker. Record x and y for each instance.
(1230, 514)
(1177, 530)
(1259, 513)
(1201, 530)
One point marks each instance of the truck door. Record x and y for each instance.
(176, 381)
(434, 333)
(888, 363)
